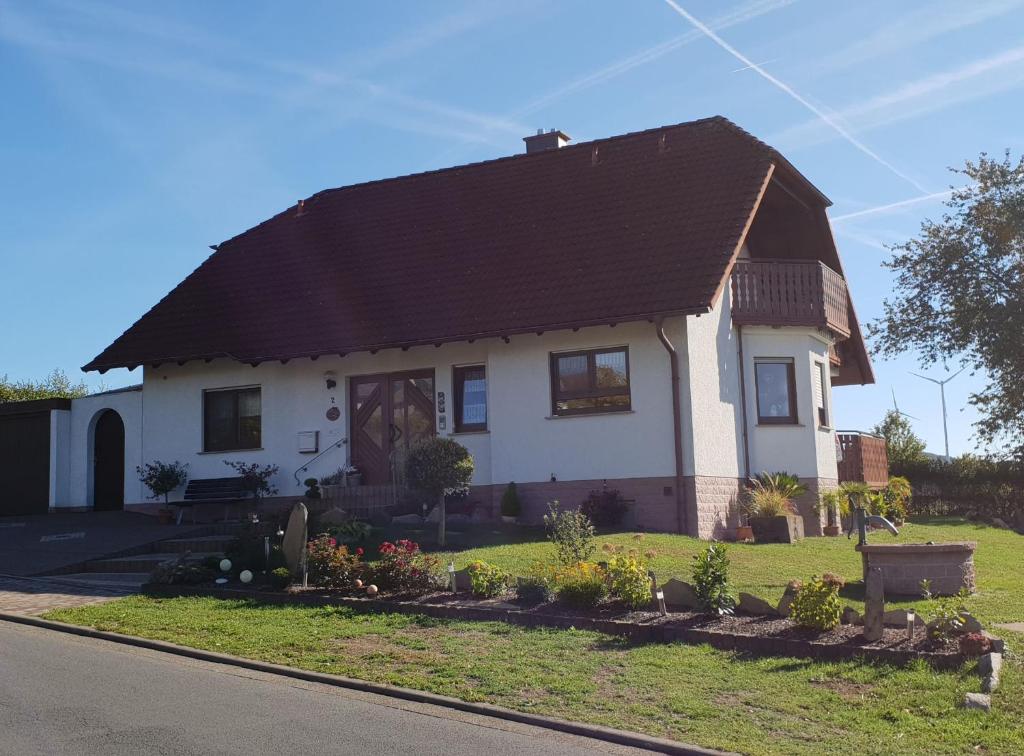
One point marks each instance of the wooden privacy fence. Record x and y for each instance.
(862, 458)
(792, 292)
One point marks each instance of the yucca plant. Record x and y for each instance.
(772, 494)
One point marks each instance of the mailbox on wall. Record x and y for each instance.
(309, 442)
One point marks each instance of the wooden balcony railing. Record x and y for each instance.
(790, 293)
(862, 458)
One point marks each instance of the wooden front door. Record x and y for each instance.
(388, 414)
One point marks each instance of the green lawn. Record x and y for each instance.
(690, 693)
(765, 569)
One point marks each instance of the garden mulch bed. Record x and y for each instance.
(757, 635)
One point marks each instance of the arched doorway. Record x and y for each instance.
(108, 462)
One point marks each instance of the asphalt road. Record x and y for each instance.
(65, 694)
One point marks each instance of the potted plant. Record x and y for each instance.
(312, 488)
(331, 485)
(510, 505)
(161, 478)
(744, 532)
(352, 476)
(832, 503)
(770, 510)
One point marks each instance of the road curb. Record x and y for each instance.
(597, 732)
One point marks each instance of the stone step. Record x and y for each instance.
(120, 581)
(201, 544)
(143, 562)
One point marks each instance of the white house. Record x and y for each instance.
(663, 311)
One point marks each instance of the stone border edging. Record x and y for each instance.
(723, 641)
(596, 732)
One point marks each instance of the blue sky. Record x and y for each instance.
(134, 135)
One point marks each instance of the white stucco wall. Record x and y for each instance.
(75, 482)
(523, 442)
(711, 388)
(803, 449)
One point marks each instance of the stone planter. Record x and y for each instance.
(947, 566)
(831, 530)
(744, 533)
(781, 529)
(331, 492)
(509, 519)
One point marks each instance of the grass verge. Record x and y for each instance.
(690, 693)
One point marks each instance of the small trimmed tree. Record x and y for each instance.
(439, 467)
(162, 477)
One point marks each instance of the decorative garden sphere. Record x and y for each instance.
(225, 565)
(359, 583)
(371, 590)
(245, 576)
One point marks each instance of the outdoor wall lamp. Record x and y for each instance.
(330, 379)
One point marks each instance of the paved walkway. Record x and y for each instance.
(20, 595)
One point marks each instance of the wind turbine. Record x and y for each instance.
(896, 407)
(942, 391)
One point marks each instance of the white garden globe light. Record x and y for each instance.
(245, 576)
(225, 565)
(371, 590)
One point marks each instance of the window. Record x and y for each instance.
(231, 419)
(821, 394)
(470, 398)
(776, 391)
(596, 380)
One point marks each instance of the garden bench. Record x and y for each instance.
(212, 491)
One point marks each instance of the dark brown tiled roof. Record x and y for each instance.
(613, 230)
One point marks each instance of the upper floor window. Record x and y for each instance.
(821, 394)
(470, 387)
(231, 419)
(588, 381)
(775, 379)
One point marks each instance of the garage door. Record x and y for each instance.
(24, 463)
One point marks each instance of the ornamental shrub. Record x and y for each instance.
(629, 580)
(571, 532)
(332, 566)
(510, 505)
(280, 578)
(817, 605)
(605, 508)
(537, 586)
(162, 477)
(711, 580)
(487, 580)
(439, 467)
(582, 585)
(255, 477)
(181, 571)
(403, 568)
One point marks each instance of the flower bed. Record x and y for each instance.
(760, 635)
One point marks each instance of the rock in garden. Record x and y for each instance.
(971, 625)
(407, 519)
(898, 618)
(680, 594)
(295, 537)
(980, 701)
(751, 604)
(1000, 524)
(785, 607)
(998, 645)
(989, 666)
(434, 516)
(333, 516)
(851, 616)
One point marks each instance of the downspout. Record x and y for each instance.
(743, 403)
(677, 424)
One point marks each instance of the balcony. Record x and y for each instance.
(862, 458)
(790, 293)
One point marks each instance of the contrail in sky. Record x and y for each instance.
(825, 117)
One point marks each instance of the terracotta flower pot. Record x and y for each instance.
(832, 530)
(744, 533)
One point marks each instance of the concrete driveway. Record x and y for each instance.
(44, 544)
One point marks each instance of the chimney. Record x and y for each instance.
(542, 141)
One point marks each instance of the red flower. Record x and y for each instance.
(333, 542)
(359, 551)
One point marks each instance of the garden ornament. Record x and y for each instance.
(861, 519)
